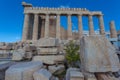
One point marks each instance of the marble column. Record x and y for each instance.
(35, 27)
(101, 24)
(69, 27)
(47, 26)
(113, 32)
(91, 27)
(58, 26)
(25, 27)
(80, 27)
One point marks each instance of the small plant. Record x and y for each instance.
(30, 43)
(72, 55)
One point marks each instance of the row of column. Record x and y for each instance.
(36, 22)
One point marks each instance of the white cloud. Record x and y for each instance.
(64, 6)
(17, 38)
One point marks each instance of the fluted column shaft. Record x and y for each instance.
(69, 28)
(80, 27)
(113, 32)
(101, 24)
(58, 27)
(35, 27)
(91, 27)
(25, 28)
(47, 26)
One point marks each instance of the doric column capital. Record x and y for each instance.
(69, 14)
(36, 13)
(90, 14)
(79, 14)
(58, 14)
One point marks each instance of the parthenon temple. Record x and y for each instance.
(42, 22)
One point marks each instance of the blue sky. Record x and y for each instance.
(11, 14)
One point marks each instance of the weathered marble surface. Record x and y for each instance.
(4, 65)
(18, 55)
(56, 68)
(98, 55)
(47, 50)
(22, 71)
(47, 42)
(89, 76)
(74, 74)
(49, 59)
(42, 74)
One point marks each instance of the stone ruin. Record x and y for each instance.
(41, 56)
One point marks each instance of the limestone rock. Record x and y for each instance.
(105, 76)
(74, 74)
(42, 74)
(54, 78)
(89, 76)
(49, 59)
(29, 48)
(4, 65)
(98, 55)
(22, 71)
(117, 74)
(18, 55)
(28, 55)
(47, 42)
(56, 69)
(47, 51)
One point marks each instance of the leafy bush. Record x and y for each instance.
(72, 55)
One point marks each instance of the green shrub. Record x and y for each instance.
(72, 55)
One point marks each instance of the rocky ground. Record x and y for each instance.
(45, 60)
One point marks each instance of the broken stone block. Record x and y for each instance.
(54, 78)
(42, 74)
(29, 48)
(117, 74)
(89, 76)
(74, 74)
(56, 69)
(47, 51)
(98, 55)
(105, 76)
(18, 55)
(4, 65)
(49, 59)
(28, 55)
(47, 42)
(23, 71)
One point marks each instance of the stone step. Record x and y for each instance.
(47, 42)
(49, 59)
(23, 70)
(47, 50)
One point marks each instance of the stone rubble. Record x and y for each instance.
(74, 74)
(49, 59)
(42, 74)
(56, 68)
(98, 55)
(22, 71)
